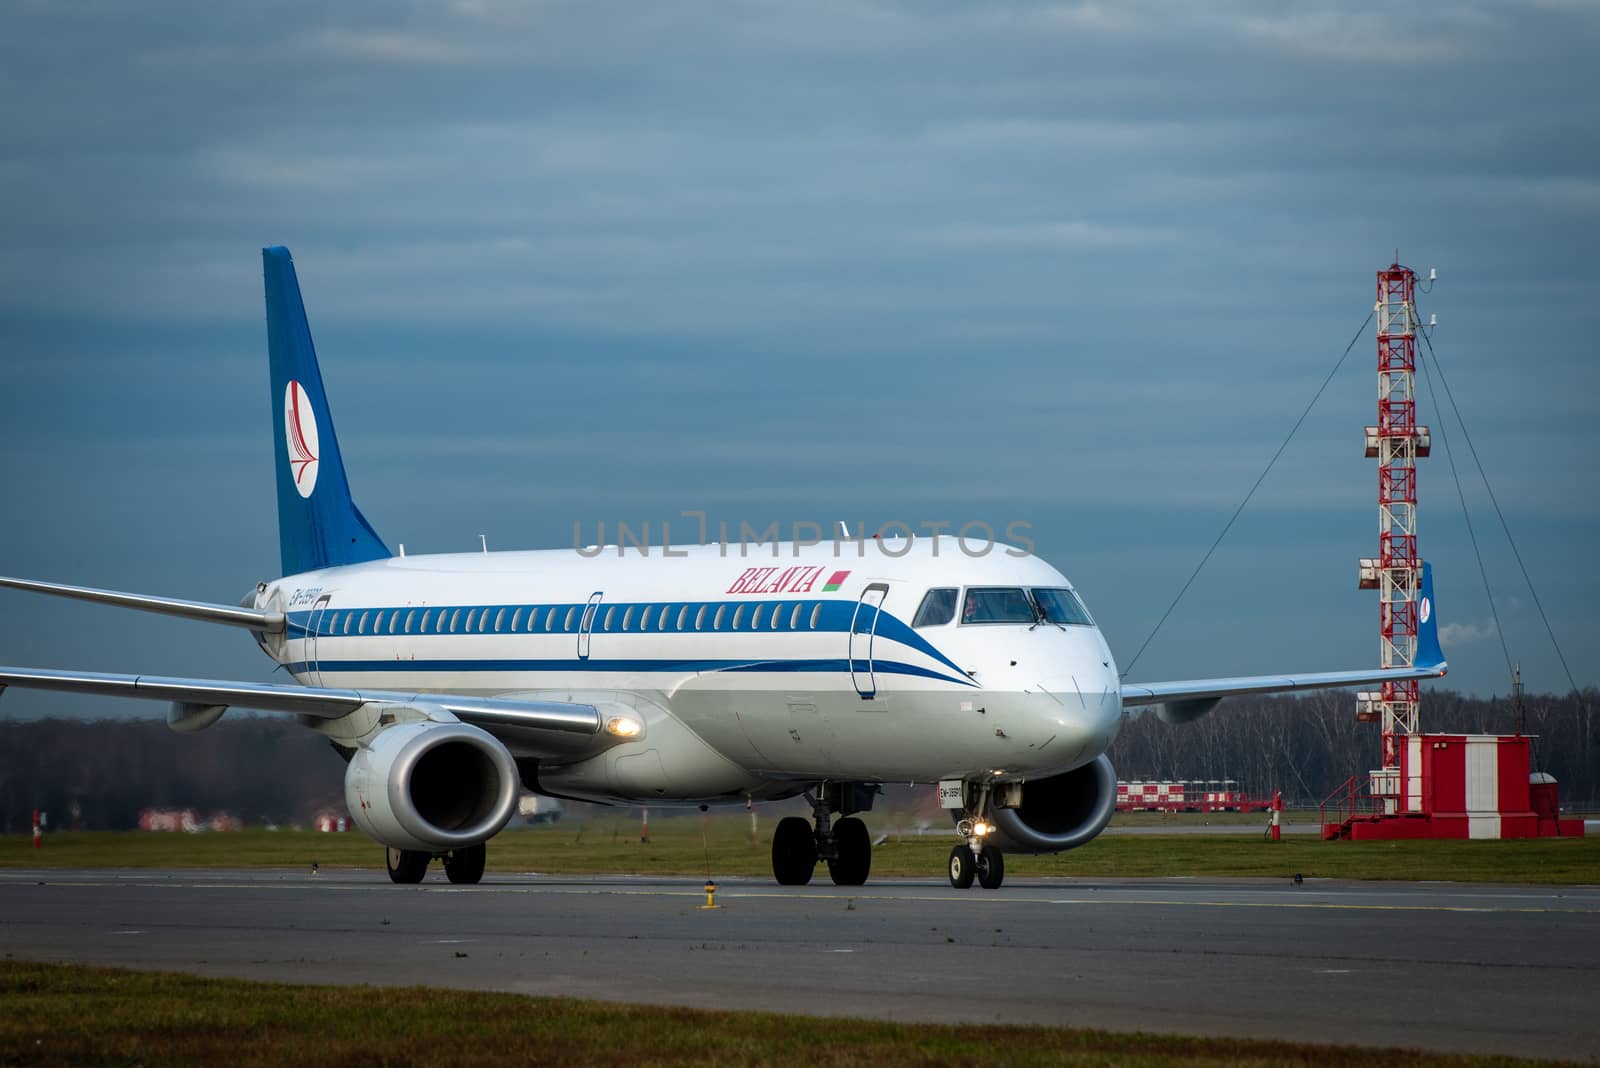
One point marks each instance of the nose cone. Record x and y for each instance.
(1080, 715)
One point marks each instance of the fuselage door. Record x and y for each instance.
(586, 623)
(313, 627)
(863, 628)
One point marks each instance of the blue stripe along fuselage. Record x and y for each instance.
(836, 615)
(881, 667)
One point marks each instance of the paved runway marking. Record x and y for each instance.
(1109, 898)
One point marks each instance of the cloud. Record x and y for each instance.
(779, 252)
(1466, 633)
(1062, 235)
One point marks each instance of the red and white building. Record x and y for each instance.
(1452, 786)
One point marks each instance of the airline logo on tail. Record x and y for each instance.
(300, 432)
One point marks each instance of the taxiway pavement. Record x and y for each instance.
(1494, 969)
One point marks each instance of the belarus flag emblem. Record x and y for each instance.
(835, 582)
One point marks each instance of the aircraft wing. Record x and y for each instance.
(1193, 698)
(1153, 693)
(204, 611)
(552, 729)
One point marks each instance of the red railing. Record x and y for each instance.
(1352, 799)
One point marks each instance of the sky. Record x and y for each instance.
(1074, 265)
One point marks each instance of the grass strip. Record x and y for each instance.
(68, 1014)
(676, 847)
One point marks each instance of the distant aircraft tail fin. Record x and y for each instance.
(319, 524)
(1429, 653)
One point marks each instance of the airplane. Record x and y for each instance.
(452, 683)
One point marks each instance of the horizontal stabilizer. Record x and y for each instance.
(270, 622)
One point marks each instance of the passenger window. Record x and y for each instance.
(550, 620)
(938, 608)
(439, 623)
(361, 624)
(566, 624)
(472, 614)
(738, 614)
(716, 624)
(627, 618)
(426, 615)
(394, 621)
(755, 620)
(332, 621)
(609, 612)
(516, 620)
(455, 617)
(794, 617)
(499, 620)
(816, 614)
(700, 618)
(411, 617)
(777, 615)
(644, 620)
(533, 617)
(377, 622)
(349, 618)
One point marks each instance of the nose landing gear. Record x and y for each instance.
(978, 858)
(845, 844)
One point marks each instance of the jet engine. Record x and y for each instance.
(1060, 812)
(432, 786)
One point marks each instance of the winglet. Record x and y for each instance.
(318, 524)
(1429, 654)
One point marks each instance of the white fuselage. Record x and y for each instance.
(751, 674)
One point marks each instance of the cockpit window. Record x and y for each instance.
(998, 604)
(938, 608)
(1062, 606)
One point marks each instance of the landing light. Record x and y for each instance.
(981, 828)
(624, 727)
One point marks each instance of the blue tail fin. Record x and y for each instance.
(1429, 654)
(318, 524)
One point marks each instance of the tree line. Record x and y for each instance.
(98, 775)
(1308, 745)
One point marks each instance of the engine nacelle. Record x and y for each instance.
(432, 786)
(1061, 812)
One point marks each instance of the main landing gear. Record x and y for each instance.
(846, 845)
(460, 865)
(977, 858)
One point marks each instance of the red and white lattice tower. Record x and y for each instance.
(1397, 442)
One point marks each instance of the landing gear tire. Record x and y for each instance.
(963, 866)
(794, 852)
(853, 846)
(466, 865)
(406, 865)
(991, 865)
